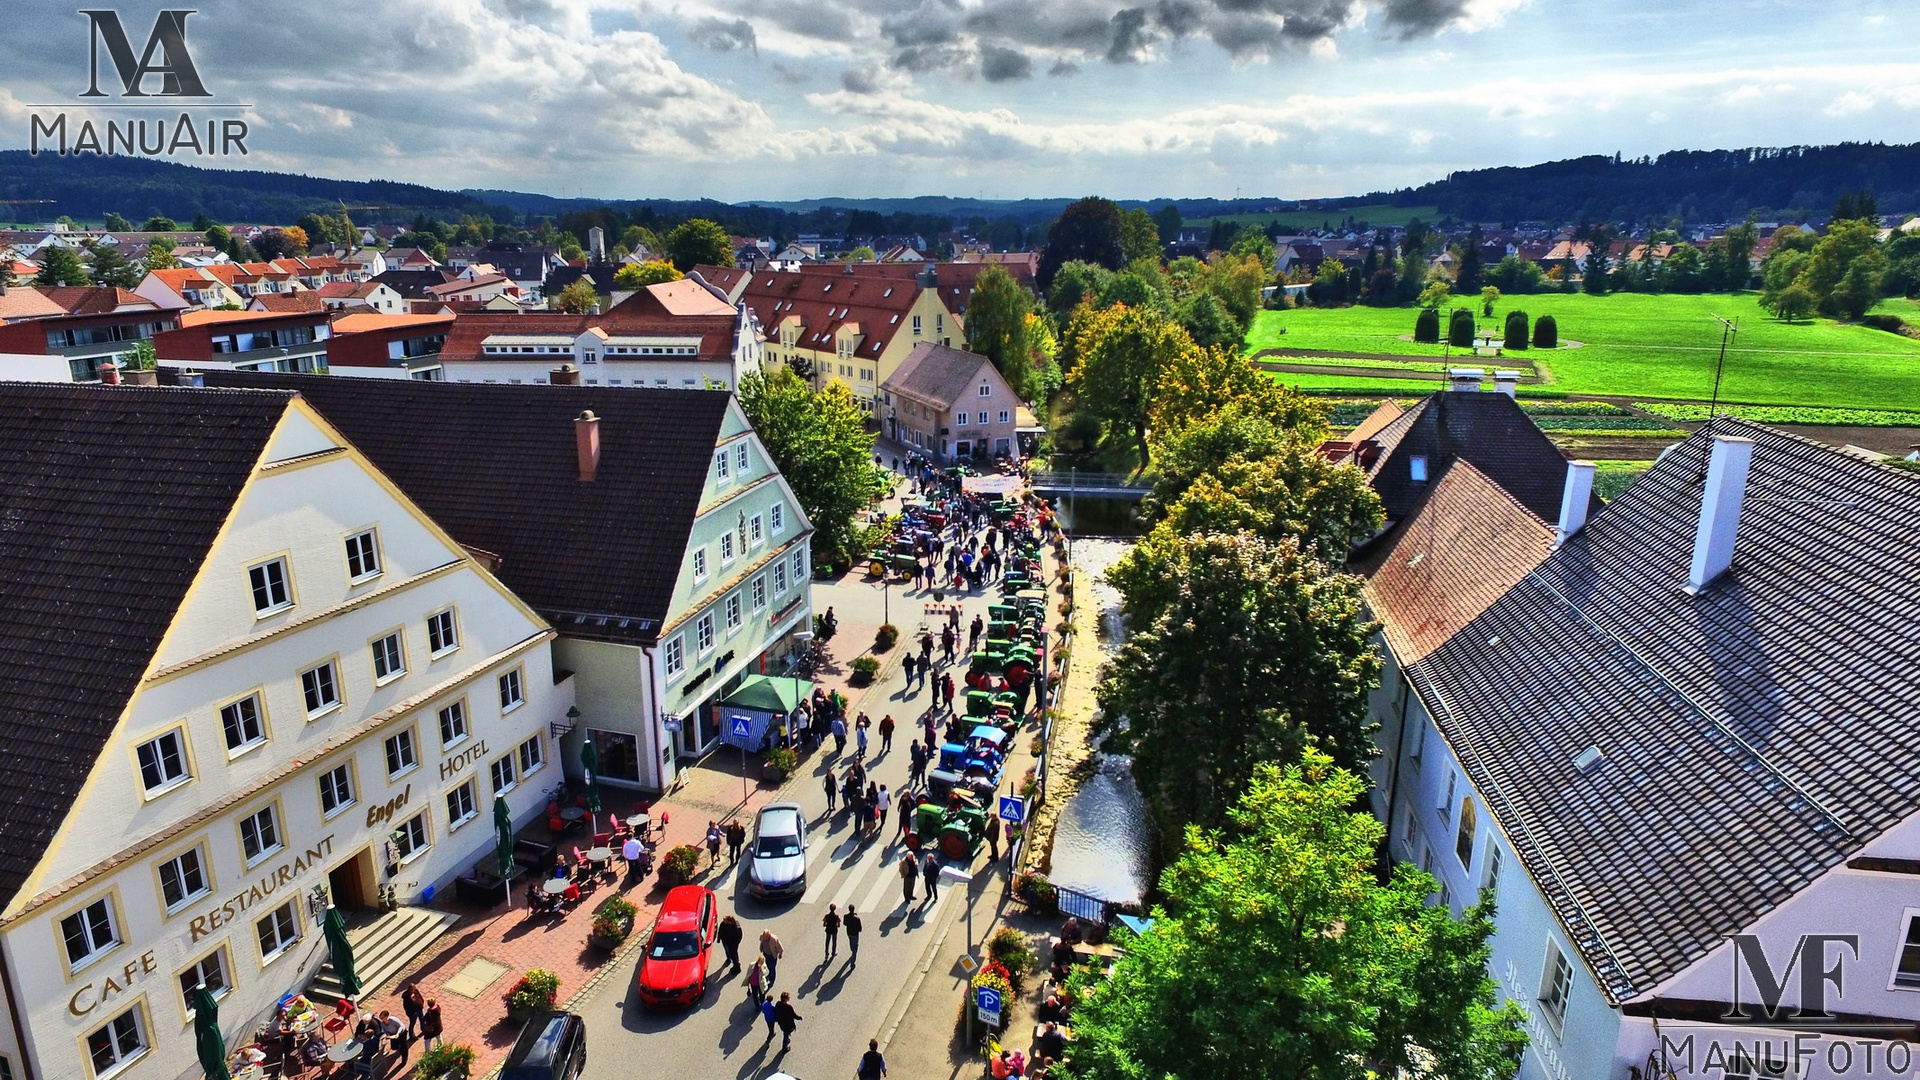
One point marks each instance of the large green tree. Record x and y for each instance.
(578, 298)
(820, 442)
(1117, 372)
(1843, 272)
(1261, 651)
(112, 268)
(997, 327)
(1139, 236)
(1087, 231)
(640, 275)
(1278, 955)
(61, 266)
(698, 241)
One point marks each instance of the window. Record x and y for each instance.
(760, 593)
(1463, 838)
(259, 835)
(270, 592)
(442, 634)
(279, 930)
(411, 836)
(402, 755)
(777, 518)
(703, 633)
(726, 547)
(121, 1040)
(460, 806)
(1417, 469)
(1492, 883)
(779, 579)
(916, 326)
(756, 531)
(511, 695)
(532, 756)
(733, 613)
(960, 418)
(1446, 804)
(210, 972)
(740, 458)
(700, 564)
(1419, 742)
(89, 932)
(676, 655)
(388, 661)
(182, 878)
(363, 555)
(1006, 417)
(799, 566)
(986, 390)
(1556, 985)
(722, 469)
(504, 778)
(321, 689)
(453, 723)
(1906, 972)
(336, 789)
(240, 721)
(163, 762)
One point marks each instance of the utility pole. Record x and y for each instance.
(1727, 330)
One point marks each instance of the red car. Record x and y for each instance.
(673, 970)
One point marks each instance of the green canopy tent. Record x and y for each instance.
(503, 844)
(590, 769)
(211, 1045)
(341, 950)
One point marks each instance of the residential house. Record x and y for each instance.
(600, 275)
(303, 302)
(295, 691)
(247, 340)
(951, 405)
(26, 302)
(100, 324)
(388, 346)
(478, 289)
(371, 294)
(648, 526)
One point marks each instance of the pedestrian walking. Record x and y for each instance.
(930, 873)
(787, 1018)
(946, 643)
(857, 806)
(906, 667)
(833, 790)
(757, 981)
(852, 923)
(916, 762)
(872, 1065)
(926, 649)
(429, 1025)
(839, 729)
(973, 634)
(886, 734)
(771, 950)
(946, 690)
(830, 922)
(730, 935)
(881, 805)
(767, 1012)
(993, 837)
(906, 810)
(413, 1003)
(860, 735)
(909, 874)
(932, 733)
(736, 839)
(713, 842)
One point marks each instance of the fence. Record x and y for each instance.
(1081, 906)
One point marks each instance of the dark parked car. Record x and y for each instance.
(553, 1046)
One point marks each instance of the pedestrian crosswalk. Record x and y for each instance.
(841, 870)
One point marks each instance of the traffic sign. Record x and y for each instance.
(671, 723)
(1013, 809)
(986, 1001)
(742, 727)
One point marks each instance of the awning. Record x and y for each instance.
(769, 694)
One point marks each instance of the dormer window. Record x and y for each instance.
(1417, 469)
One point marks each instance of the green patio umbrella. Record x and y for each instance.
(206, 1033)
(342, 952)
(503, 843)
(590, 766)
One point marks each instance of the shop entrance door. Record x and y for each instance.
(352, 883)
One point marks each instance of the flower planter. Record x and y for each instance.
(608, 941)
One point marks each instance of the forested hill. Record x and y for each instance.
(1693, 185)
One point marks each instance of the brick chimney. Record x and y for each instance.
(1725, 489)
(110, 373)
(586, 442)
(564, 375)
(1574, 499)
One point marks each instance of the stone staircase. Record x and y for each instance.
(381, 947)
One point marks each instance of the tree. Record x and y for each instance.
(115, 223)
(8, 279)
(1546, 333)
(61, 266)
(1207, 321)
(1255, 243)
(1426, 326)
(819, 441)
(112, 268)
(640, 275)
(158, 223)
(1515, 336)
(1261, 652)
(1086, 231)
(1843, 271)
(1167, 222)
(1598, 242)
(1793, 303)
(1514, 274)
(1434, 295)
(1197, 386)
(996, 327)
(1279, 953)
(296, 238)
(160, 256)
(1237, 281)
(698, 242)
(201, 222)
(1139, 236)
(276, 243)
(1489, 296)
(320, 229)
(578, 298)
(1076, 281)
(1472, 264)
(1856, 206)
(1128, 288)
(1741, 240)
(859, 254)
(1460, 329)
(1331, 284)
(1116, 376)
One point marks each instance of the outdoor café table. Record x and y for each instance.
(599, 854)
(554, 886)
(638, 822)
(572, 813)
(341, 1052)
(308, 1021)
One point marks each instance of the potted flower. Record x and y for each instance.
(780, 763)
(886, 637)
(864, 669)
(1036, 892)
(677, 868)
(534, 993)
(612, 923)
(444, 1061)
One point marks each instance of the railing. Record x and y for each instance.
(1084, 481)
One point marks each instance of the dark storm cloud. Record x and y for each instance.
(932, 58)
(723, 35)
(1131, 37)
(1061, 69)
(1004, 65)
(1419, 18)
(859, 81)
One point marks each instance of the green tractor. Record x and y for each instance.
(956, 832)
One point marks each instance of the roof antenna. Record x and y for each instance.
(1727, 330)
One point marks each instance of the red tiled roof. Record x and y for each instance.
(293, 302)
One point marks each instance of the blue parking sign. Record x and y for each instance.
(1012, 809)
(987, 1000)
(742, 727)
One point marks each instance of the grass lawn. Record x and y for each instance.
(1645, 346)
(1373, 214)
(1610, 478)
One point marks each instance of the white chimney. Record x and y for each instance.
(1720, 509)
(586, 442)
(1465, 379)
(1575, 498)
(1506, 382)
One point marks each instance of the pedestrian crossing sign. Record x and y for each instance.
(1012, 809)
(742, 727)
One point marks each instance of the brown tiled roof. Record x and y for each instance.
(306, 300)
(1376, 421)
(24, 302)
(95, 299)
(823, 302)
(937, 373)
(1448, 563)
(496, 466)
(112, 497)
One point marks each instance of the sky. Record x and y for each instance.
(1139, 99)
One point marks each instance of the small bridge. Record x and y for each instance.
(1089, 484)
